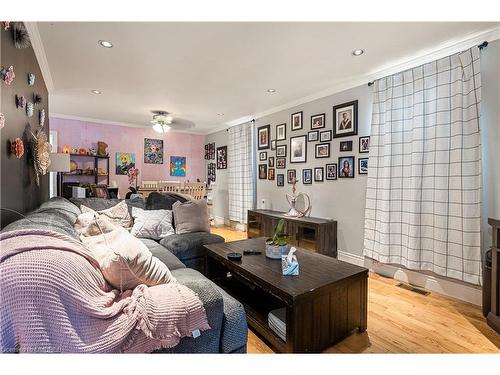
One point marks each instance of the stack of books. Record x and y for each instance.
(276, 319)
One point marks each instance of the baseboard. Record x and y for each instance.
(459, 290)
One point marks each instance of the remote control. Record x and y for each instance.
(252, 252)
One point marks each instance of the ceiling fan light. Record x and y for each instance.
(161, 128)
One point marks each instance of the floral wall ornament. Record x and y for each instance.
(6, 25)
(41, 117)
(20, 101)
(21, 37)
(17, 147)
(31, 79)
(37, 99)
(41, 153)
(29, 109)
(2, 120)
(7, 75)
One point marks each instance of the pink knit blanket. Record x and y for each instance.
(53, 298)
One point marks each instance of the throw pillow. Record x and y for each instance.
(163, 201)
(191, 216)
(154, 224)
(118, 214)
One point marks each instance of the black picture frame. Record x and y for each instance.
(262, 171)
(222, 157)
(303, 158)
(299, 124)
(352, 166)
(318, 121)
(362, 148)
(351, 126)
(264, 143)
(325, 136)
(273, 144)
(331, 171)
(280, 179)
(271, 172)
(281, 151)
(362, 169)
(319, 174)
(307, 176)
(318, 146)
(290, 174)
(280, 163)
(345, 146)
(263, 156)
(313, 136)
(270, 162)
(281, 130)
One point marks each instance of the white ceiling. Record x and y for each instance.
(197, 70)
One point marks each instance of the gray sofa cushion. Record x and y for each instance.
(189, 245)
(191, 216)
(163, 254)
(98, 204)
(163, 201)
(234, 326)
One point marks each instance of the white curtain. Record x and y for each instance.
(241, 185)
(423, 196)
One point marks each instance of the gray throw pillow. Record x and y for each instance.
(154, 224)
(191, 216)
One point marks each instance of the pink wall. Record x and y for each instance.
(78, 134)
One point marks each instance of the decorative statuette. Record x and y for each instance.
(294, 198)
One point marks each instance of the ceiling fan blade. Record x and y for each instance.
(181, 124)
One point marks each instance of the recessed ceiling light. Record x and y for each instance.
(220, 114)
(358, 52)
(105, 44)
(271, 90)
(97, 92)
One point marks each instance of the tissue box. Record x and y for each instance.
(289, 268)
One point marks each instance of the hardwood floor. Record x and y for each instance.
(401, 321)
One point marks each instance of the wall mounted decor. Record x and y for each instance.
(345, 119)
(318, 121)
(331, 171)
(263, 156)
(101, 148)
(20, 35)
(298, 149)
(281, 151)
(280, 163)
(297, 121)
(281, 132)
(20, 101)
(41, 149)
(291, 176)
(307, 176)
(178, 166)
(6, 25)
(345, 146)
(41, 117)
(313, 136)
(153, 151)
(280, 179)
(17, 147)
(318, 174)
(325, 136)
(273, 144)
(37, 99)
(346, 166)
(222, 157)
(29, 109)
(364, 144)
(270, 174)
(31, 79)
(206, 152)
(2, 120)
(263, 137)
(322, 150)
(124, 161)
(7, 74)
(262, 171)
(270, 162)
(363, 166)
(211, 172)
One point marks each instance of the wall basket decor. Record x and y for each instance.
(17, 147)
(2, 120)
(41, 153)
(20, 101)
(20, 34)
(7, 74)
(41, 117)
(29, 109)
(31, 79)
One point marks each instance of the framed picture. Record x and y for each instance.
(273, 144)
(280, 179)
(364, 144)
(363, 165)
(281, 151)
(270, 174)
(153, 151)
(281, 132)
(345, 119)
(263, 133)
(291, 175)
(124, 161)
(313, 136)
(211, 151)
(99, 191)
(206, 151)
(211, 172)
(298, 149)
(178, 166)
(325, 136)
(263, 155)
(296, 121)
(322, 150)
(331, 171)
(262, 171)
(318, 174)
(345, 146)
(280, 163)
(346, 167)
(318, 121)
(270, 162)
(307, 176)
(222, 157)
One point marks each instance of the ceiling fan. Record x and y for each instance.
(163, 122)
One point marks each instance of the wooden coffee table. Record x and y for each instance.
(324, 303)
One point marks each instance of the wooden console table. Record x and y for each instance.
(493, 317)
(310, 233)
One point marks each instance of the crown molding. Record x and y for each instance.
(37, 44)
(445, 49)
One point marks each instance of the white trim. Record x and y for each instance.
(447, 287)
(37, 44)
(443, 50)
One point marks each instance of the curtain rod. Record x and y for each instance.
(481, 46)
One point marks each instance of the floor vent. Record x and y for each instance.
(413, 289)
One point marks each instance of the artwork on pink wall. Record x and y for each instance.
(178, 166)
(153, 151)
(123, 162)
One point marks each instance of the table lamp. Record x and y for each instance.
(59, 162)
